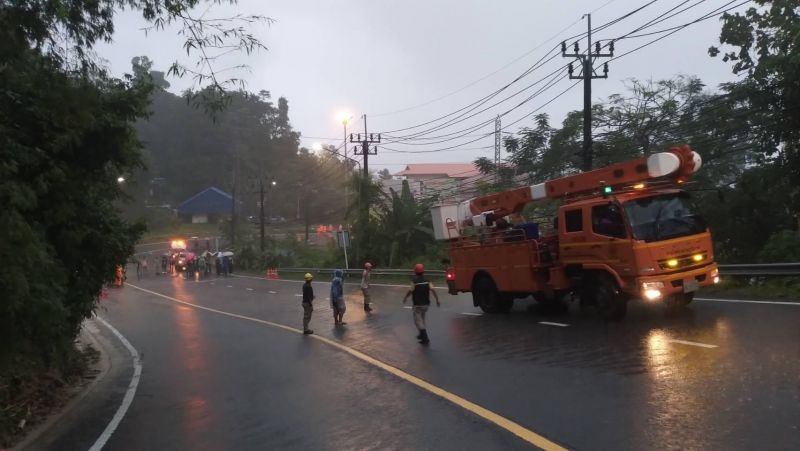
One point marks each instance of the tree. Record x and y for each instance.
(764, 43)
(66, 135)
(384, 174)
(405, 226)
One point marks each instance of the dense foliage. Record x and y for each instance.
(743, 163)
(66, 135)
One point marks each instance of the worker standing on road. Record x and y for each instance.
(420, 292)
(201, 266)
(337, 298)
(308, 308)
(365, 286)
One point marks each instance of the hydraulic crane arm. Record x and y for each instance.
(678, 163)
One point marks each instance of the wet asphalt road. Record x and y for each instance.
(212, 381)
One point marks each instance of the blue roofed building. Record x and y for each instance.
(207, 206)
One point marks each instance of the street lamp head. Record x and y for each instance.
(343, 117)
(120, 179)
(274, 183)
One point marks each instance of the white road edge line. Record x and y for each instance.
(472, 313)
(249, 289)
(746, 301)
(692, 343)
(129, 394)
(488, 415)
(408, 306)
(548, 323)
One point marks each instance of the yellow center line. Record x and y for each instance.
(515, 428)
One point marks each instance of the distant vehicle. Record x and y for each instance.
(180, 262)
(177, 245)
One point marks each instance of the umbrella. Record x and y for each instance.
(226, 254)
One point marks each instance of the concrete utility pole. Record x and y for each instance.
(587, 75)
(369, 138)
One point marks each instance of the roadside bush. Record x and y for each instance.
(782, 247)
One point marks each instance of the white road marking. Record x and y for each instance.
(692, 343)
(408, 306)
(249, 289)
(229, 286)
(548, 323)
(509, 425)
(745, 301)
(472, 313)
(298, 295)
(273, 292)
(129, 394)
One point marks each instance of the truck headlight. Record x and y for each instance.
(652, 290)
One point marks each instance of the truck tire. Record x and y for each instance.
(603, 293)
(486, 296)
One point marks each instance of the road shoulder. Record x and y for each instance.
(78, 424)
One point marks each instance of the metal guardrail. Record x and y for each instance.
(744, 270)
(761, 269)
(357, 271)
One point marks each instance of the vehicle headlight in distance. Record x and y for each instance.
(652, 290)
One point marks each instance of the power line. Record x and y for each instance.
(525, 73)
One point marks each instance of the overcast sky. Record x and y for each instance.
(398, 56)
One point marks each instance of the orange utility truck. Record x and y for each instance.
(626, 231)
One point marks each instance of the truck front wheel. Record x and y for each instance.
(601, 291)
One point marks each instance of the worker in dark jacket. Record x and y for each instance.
(420, 292)
(308, 308)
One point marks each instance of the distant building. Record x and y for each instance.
(207, 206)
(447, 180)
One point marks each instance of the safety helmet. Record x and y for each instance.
(419, 268)
(308, 276)
(368, 265)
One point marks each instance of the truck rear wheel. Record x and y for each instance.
(486, 296)
(609, 301)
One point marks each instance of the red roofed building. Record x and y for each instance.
(429, 179)
(427, 171)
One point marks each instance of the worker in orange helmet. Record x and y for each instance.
(420, 292)
(365, 286)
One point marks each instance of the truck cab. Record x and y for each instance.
(651, 243)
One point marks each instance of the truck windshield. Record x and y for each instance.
(663, 217)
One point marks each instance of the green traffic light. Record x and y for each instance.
(607, 189)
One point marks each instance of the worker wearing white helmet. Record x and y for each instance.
(365, 286)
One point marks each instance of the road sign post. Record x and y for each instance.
(343, 241)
